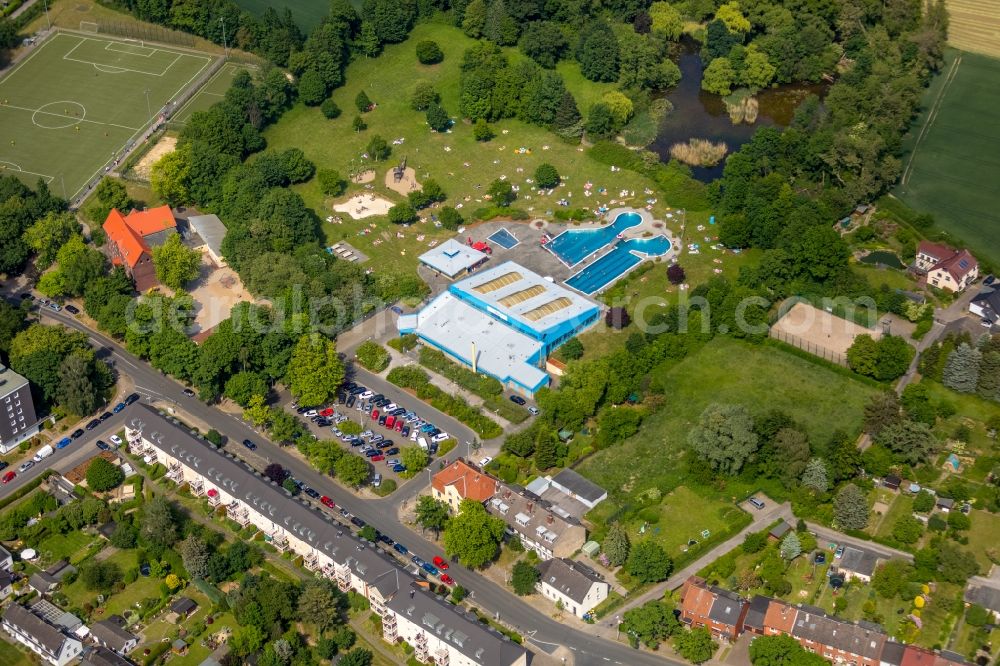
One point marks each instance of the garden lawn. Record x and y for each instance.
(11, 655)
(876, 277)
(984, 536)
(388, 81)
(197, 652)
(901, 506)
(142, 588)
(65, 546)
(160, 628)
(726, 370)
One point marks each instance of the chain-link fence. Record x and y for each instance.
(810, 346)
(145, 32)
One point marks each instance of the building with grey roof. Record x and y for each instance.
(211, 231)
(547, 532)
(578, 589)
(6, 559)
(987, 597)
(858, 563)
(112, 634)
(6, 584)
(299, 526)
(756, 611)
(837, 640)
(102, 656)
(453, 259)
(42, 638)
(892, 654)
(579, 488)
(18, 420)
(441, 635)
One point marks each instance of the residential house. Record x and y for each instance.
(857, 564)
(42, 638)
(753, 621)
(547, 532)
(6, 584)
(459, 481)
(779, 618)
(578, 588)
(987, 597)
(112, 634)
(102, 656)
(836, 640)
(918, 656)
(720, 611)
(944, 504)
(183, 607)
(44, 582)
(892, 654)
(946, 267)
(132, 238)
(986, 303)
(6, 559)
(57, 617)
(439, 632)
(18, 420)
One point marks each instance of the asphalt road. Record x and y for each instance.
(545, 633)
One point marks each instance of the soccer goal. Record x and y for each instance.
(89, 26)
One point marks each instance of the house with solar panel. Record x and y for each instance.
(503, 322)
(946, 267)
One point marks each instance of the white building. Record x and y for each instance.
(565, 581)
(39, 636)
(18, 421)
(211, 231)
(325, 546)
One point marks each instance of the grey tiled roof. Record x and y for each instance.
(47, 636)
(727, 607)
(837, 634)
(756, 612)
(102, 656)
(859, 561)
(987, 597)
(582, 487)
(564, 576)
(110, 632)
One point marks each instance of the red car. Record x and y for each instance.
(378, 458)
(327, 412)
(440, 562)
(375, 415)
(399, 425)
(447, 580)
(327, 501)
(390, 421)
(9, 476)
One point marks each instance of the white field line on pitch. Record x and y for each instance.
(48, 178)
(60, 115)
(152, 51)
(180, 112)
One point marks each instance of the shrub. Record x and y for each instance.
(502, 193)
(481, 385)
(450, 218)
(330, 109)
(414, 378)
(438, 118)
(330, 182)
(482, 131)
(359, 124)
(546, 176)
(404, 342)
(103, 475)
(372, 356)
(423, 96)
(378, 149)
(572, 349)
(362, 102)
(402, 213)
(429, 53)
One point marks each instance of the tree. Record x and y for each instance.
(912, 442)
(572, 349)
(616, 545)
(600, 121)
(100, 576)
(651, 623)
(110, 194)
(546, 176)
(616, 424)
(523, 578)
(194, 554)
(359, 124)
(314, 370)
(648, 562)
(733, 18)
(891, 576)
(414, 458)
(372, 356)
(758, 72)
(546, 450)
(543, 42)
(666, 20)
(724, 437)
(620, 106)
(791, 455)
(976, 616)
(170, 176)
(244, 385)
(368, 41)
(450, 218)
(103, 475)
(675, 274)
(907, 529)
(429, 53)
(814, 476)
(482, 131)
(850, 508)
(696, 645)
(473, 535)
(320, 604)
(41, 354)
(79, 266)
(597, 52)
(329, 109)
(782, 650)
(176, 264)
(961, 371)
(617, 318)
(312, 89)
(917, 404)
(923, 502)
(362, 102)
(501, 193)
(474, 20)
(330, 182)
(437, 118)
(158, 526)
(432, 514)
(791, 547)
(352, 470)
(48, 234)
(881, 411)
(378, 149)
(257, 412)
(423, 96)
(275, 472)
(718, 77)
(402, 213)
(76, 391)
(754, 542)
(356, 657)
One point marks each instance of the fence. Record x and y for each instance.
(145, 32)
(809, 346)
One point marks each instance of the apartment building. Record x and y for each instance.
(577, 588)
(42, 638)
(541, 526)
(459, 481)
(327, 548)
(18, 421)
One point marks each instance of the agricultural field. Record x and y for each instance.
(973, 25)
(950, 166)
(727, 371)
(75, 102)
(307, 13)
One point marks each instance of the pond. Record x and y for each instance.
(882, 258)
(700, 115)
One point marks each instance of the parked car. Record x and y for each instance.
(399, 469)
(440, 437)
(93, 424)
(249, 444)
(350, 401)
(381, 420)
(377, 479)
(9, 476)
(839, 553)
(390, 421)
(416, 560)
(405, 431)
(447, 580)
(133, 397)
(103, 446)
(77, 434)
(440, 562)
(378, 457)
(116, 440)
(400, 548)
(189, 393)
(358, 522)
(386, 540)
(756, 503)
(104, 417)
(327, 502)
(533, 411)
(72, 309)
(485, 461)
(309, 491)
(430, 568)
(119, 407)
(398, 426)
(26, 465)
(517, 400)
(55, 306)
(394, 451)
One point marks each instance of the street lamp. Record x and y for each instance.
(222, 20)
(46, 4)
(149, 111)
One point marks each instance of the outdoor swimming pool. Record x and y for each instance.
(575, 245)
(624, 257)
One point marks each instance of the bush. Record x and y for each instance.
(572, 349)
(546, 176)
(416, 379)
(402, 213)
(330, 109)
(429, 53)
(372, 356)
(330, 182)
(438, 118)
(362, 102)
(404, 342)
(482, 131)
(481, 385)
(103, 475)
(450, 218)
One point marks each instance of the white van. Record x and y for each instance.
(422, 441)
(43, 452)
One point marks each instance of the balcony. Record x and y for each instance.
(214, 498)
(238, 512)
(344, 579)
(330, 571)
(176, 473)
(196, 487)
(389, 631)
(311, 562)
(421, 648)
(442, 656)
(279, 541)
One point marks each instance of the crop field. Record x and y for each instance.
(974, 25)
(69, 108)
(952, 163)
(307, 13)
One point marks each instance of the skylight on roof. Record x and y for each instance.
(499, 282)
(545, 310)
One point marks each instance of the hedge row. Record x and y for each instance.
(414, 378)
(481, 385)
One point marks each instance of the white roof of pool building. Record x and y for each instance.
(452, 257)
(454, 326)
(510, 291)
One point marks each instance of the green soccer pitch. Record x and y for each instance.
(71, 106)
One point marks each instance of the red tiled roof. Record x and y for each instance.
(959, 265)
(935, 250)
(468, 481)
(130, 244)
(697, 599)
(151, 221)
(780, 616)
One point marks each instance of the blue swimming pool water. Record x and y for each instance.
(575, 245)
(624, 257)
(504, 239)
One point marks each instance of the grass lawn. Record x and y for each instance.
(901, 506)
(971, 639)
(726, 371)
(161, 628)
(210, 93)
(388, 80)
(307, 13)
(950, 165)
(876, 277)
(197, 652)
(142, 588)
(11, 655)
(65, 546)
(984, 536)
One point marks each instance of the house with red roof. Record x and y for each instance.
(459, 481)
(132, 238)
(946, 267)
